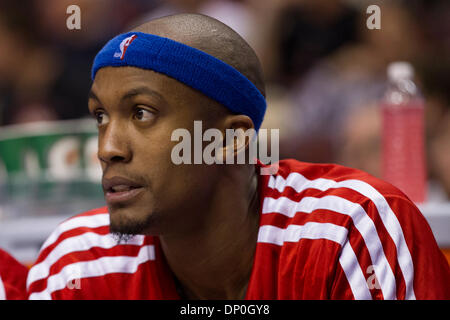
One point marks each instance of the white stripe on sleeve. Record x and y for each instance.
(299, 183)
(315, 230)
(361, 220)
(93, 221)
(82, 242)
(353, 273)
(310, 230)
(94, 268)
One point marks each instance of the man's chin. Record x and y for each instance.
(122, 238)
(126, 223)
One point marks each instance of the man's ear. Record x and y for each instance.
(239, 133)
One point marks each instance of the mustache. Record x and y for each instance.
(107, 173)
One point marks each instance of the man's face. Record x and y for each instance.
(137, 110)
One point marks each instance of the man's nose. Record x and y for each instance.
(113, 144)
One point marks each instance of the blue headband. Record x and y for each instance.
(193, 67)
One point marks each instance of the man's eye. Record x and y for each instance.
(101, 117)
(143, 114)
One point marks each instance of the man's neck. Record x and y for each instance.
(215, 261)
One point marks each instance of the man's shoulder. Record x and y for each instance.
(344, 217)
(330, 200)
(79, 226)
(323, 180)
(85, 232)
(83, 245)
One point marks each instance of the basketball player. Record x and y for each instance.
(222, 231)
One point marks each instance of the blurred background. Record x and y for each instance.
(325, 73)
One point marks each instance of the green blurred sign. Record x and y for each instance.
(49, 159)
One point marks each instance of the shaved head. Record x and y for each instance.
(211, 36)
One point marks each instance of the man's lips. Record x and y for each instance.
(119, 189)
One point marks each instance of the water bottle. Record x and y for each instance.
(403, 146)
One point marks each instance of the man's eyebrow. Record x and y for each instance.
(131, 93)
(142, 90)
(92, 95)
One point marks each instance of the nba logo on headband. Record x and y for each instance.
(123, 46)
